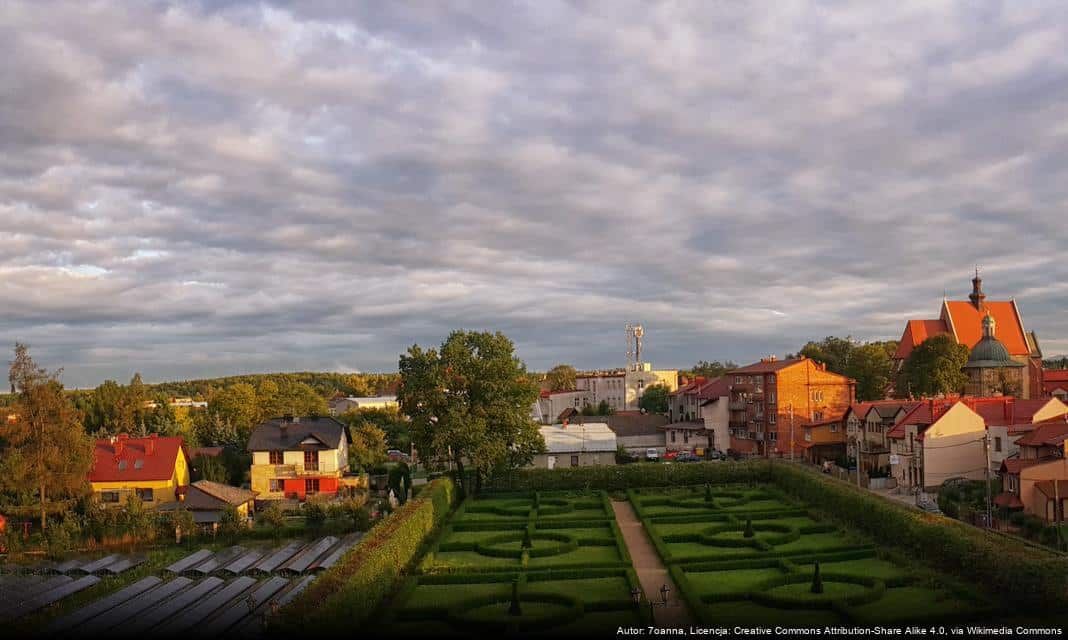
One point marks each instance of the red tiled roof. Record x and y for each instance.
(916, 331)
(967, 323)
(1016, 464)
(1045, 434)
(717, 388)
(134, 459)
(1008, 500)
(690, 387)
(1058, 375)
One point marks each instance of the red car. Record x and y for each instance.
(671, 455)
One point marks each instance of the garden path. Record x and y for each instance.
(652, 574)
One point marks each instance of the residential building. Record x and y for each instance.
(294, 457)
(1036, 479)
(552, 403)
(635, 431)
(714, 397)
(906, 461)
(965, 322)
(1055, 383)
(953, 446)
(867, 425)
(576, 445)
(622, 389)
(1008, 418)
(683, 403)
(767, 397)
(688, 436)
(154, 468)
(816, 442)
(207, 501)
(340, 405)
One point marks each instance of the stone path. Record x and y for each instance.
(652, 574)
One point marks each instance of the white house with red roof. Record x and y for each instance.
(154, 468)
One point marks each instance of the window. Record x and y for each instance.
(311, 485)
(673, 436)
(817, 396)
(641, 383)
(771, 397)
(574, 461)
(276, 457)
(834, 427)
(817, 415)
(997, 443)
(139, 464)
(771, 418)
(771, 379)
(686, 437)
(773, 436)
(122, 465)
(109, 496)
(146, 495)
(311, 460)
(737, 379)
(275, 486)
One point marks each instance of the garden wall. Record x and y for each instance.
(1027, 577)
(347, 594)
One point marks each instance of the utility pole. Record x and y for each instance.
(791, 432)
(986, 451)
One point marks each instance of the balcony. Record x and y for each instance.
(294, 470)
(736, 405)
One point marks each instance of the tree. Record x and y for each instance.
(712, 369)
(605, 409)
(934, 367)
(368, 448)
(869, 363)
(561, 378)
(469, 402)
(388, 419)
(45, 448)
(655, 399)
(239, 406)
(210, 468)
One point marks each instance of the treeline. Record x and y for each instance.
(869, 363)
(325, 384)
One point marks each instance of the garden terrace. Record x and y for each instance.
(561, 553)
(741, 554)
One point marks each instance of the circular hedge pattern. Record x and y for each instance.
(544, 544)
(767, 533)
(792, 591)
(540, 610)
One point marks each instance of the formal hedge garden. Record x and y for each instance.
(521, 562)
(747, 553)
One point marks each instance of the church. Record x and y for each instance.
(1005, 357)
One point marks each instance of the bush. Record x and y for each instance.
(347, 595)
(63, 536)
(273, 517)
(314, 514)
(1026, 577)
(622, 477)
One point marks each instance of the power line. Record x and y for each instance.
(950, 446)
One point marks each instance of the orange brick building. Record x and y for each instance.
(767, 397)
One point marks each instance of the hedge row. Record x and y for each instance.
(622, 477)
(347, 594)
(1026, 577)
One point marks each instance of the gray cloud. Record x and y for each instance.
(208, 188)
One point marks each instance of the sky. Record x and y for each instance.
(201, 189)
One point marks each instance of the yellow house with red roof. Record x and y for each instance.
(967, 322)
(154, 468)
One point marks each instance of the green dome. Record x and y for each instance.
(990, 352)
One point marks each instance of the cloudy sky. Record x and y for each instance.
(210, 188)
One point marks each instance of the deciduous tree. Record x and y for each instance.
(562, 377)
(655, 399)
(934, 367)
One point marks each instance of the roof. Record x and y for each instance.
(1054, 379)
(768, 366)
(1008, 500)
(690, 387)
(717, 388)
(593, 437)
(884, 408)
(691, 425)
(916, 331)
(627, 424)
(269, 435)
(1053, 488)
(1049, 434)
(991, 353)
(966, 321)
(1016, 464)
(919, 415)
(122, 458)
(204, 494)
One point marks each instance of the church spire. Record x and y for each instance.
(977, 296)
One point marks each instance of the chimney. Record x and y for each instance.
(150, 444)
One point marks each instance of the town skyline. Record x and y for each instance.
(310, 187)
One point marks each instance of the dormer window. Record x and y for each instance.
(122, 465)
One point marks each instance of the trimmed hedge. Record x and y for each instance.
(1028, 578)
(347, 594)
(622, 477)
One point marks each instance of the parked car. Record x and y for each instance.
(715, 455)
(686, 456)
(652, 454)
(671, 455)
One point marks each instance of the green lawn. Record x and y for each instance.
(737, 581)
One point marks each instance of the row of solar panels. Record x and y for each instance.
(23, 594)
(208, 607)
(294, 559)
(111, 565)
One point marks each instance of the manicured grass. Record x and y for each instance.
(811, 542)
(736, 581)
(831, 590)
(588, 589)
(448, 595)
(582, 556)
(912, 603)
(866, 568)
(466, 559)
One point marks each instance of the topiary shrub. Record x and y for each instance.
(817, 583)
(748, 533)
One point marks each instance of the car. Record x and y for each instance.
(652, 454)
(686, 456)
(671, 455)
(715, 455)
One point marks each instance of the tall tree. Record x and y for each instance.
(368, 448)
(562, 377)
(239, 405)
(712, 369)
(45, 448)
(470, 402)
(934, 367)
(869, 363)
(655, 399)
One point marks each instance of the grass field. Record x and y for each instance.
(742, 554)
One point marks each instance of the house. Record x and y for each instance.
(683, 403)
(969, 323)
(637, 432)
(687, 436)
(1055, 383)
(818, 441)
(714, 399)
(1032, 479)
(1009, 418)
(576, 445)
(768, 396)
(340, 405)
(294, 457)
(207, 501)
(552, 403)
(867, 425)
(906, 461)
(622, 388)
(154, 468)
